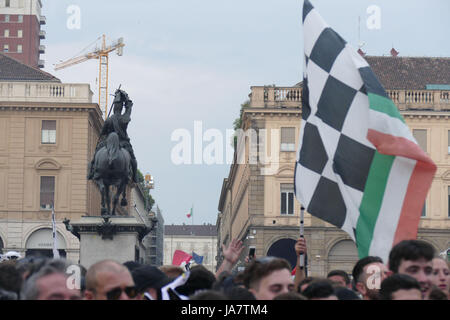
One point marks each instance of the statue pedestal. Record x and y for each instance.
(112, 237)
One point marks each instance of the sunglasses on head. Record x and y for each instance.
(114, 294)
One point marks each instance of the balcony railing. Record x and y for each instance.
(271, 96)
(45, 92)
(290, 97)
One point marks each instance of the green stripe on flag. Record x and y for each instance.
(372, 200)
(385, 105)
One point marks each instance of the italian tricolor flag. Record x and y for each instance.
(190, 213)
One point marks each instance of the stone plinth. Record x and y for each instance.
(118, 238)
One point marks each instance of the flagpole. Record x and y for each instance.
(302, 256)
(55, 247)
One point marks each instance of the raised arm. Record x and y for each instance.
(231, 256)
(300, 248)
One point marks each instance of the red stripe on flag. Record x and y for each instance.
(397, 146)
(180, 256)
(418, 187)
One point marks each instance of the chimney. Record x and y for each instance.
(394, 52)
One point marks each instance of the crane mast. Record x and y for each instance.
(102, 55)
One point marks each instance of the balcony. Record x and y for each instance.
(275, 97)
(42, 34)
(45, 92)
(437, 100)
(41, 63)
(41, 49)
(42, 20)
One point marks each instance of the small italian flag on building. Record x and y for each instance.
(190, 213)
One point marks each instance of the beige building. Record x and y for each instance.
(48, 133)
(257, 202)
(201, 239)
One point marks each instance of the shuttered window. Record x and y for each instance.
(287, 139)
(287, 199)
(421, 137)
(48, 131)
(47, 192)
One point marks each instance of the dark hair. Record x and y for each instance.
(437, 294)
(292, 295)
(359, 266)
(397, 282)
(319, 289)
(409, 250)
(343, 293)
(261, 268)
(240, 293)
(200, 278)
(341, 273)
(307, 280)
(10, 277)
(208, 295)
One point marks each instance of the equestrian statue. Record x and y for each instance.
(114, 163)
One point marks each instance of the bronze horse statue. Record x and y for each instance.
(112, 167)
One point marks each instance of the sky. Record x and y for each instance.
(191, 63)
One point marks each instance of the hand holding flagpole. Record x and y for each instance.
(302, 256)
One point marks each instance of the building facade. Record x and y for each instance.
(201, 239)
(21, 32)
(257, 202)
(48, 132)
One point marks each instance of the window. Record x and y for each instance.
(448, 141)
(6, 48)
(20, 18)
(7, 3)
(287, 199)
(6, 33)
(424, 209)
(19, 33)
(6, 17)
(19, 48)
(48, 131)
(421, 137)
(47, 193)
(287, 139)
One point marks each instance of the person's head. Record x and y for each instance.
(10, 278)
(150, 280)
(400, 287)
(339, 277)
(239, 293)
(208, 295)
(304, 284)
(268, 277)
(437, 294)
(200, 278)
(291, 295)
(441, 275)
(49, 283)
(172, 271)
(320, 289)
(109, 280)
(344, 293)
(368, 273)
(131, 265)
(414, 258)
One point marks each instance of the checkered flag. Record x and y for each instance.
(358, 166)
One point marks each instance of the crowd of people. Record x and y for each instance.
(412, 272)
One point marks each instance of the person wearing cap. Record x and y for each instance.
(149, 280)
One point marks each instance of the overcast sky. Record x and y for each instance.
(195, 60)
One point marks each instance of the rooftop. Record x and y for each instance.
(205, 230)
(14, 70)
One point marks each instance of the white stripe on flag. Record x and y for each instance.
(381, 122)
(391, 208)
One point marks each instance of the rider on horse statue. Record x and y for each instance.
(117, 123)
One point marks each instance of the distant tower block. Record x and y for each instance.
(20, 31)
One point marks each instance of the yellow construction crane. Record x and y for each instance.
(102, 55)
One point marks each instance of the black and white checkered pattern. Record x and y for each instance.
(334, 155)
